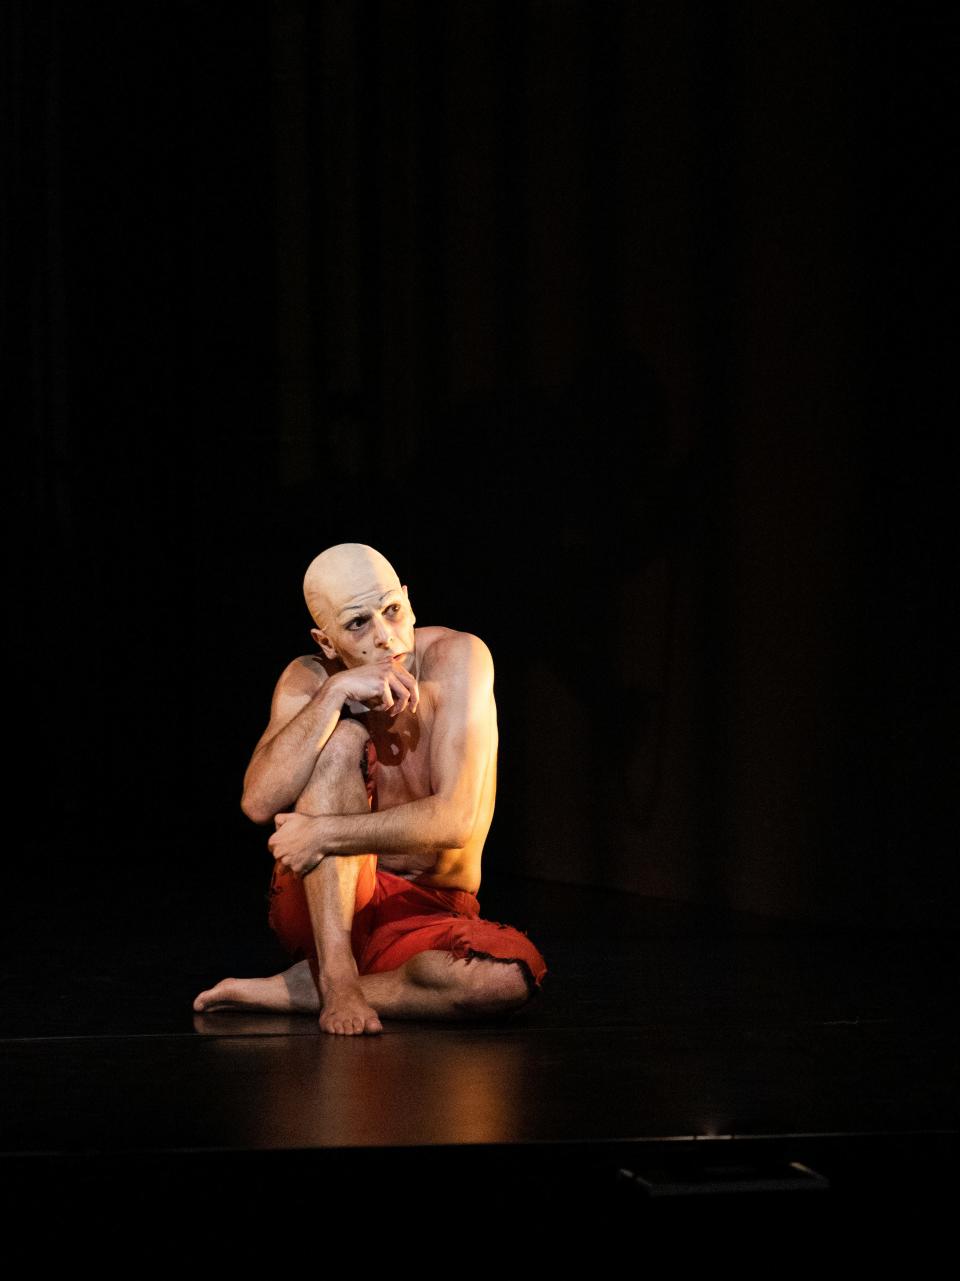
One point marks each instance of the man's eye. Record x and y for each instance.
(395, 609)
(355, 624)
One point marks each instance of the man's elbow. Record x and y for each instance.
(256, 813)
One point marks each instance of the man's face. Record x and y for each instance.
(371, 623)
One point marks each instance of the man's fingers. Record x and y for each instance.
(405, 685)
(386, 698)
(400, 672)
(414, 694)
(401, 689)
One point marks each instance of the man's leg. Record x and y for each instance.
(432, 984)
(336, 786)
(437, 985)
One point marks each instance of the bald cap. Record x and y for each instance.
(342, 573)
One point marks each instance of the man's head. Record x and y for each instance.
(361, 610)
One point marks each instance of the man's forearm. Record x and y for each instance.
(281, 768)
(428, 825)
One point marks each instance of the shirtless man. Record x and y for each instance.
(424, 700)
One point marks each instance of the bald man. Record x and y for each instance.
(378, 767)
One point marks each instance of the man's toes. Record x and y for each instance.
(221, 991)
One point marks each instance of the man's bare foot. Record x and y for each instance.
(292, 992)
(344, 1009)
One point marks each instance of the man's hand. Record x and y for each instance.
(295, 842)
(385, 685)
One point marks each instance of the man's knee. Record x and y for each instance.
(493, 987)
(337, 782)
(345, 748)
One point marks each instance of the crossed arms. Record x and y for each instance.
(462, 740)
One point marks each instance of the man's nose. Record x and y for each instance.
(382, 633)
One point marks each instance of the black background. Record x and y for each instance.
(625, 331)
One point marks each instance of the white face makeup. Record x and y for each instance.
(360, 607)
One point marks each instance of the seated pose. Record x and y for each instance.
(385, 741)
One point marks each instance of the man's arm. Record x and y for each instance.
(302, 718)
(463, 738)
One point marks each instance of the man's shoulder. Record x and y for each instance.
(449, 652)
(306, 672)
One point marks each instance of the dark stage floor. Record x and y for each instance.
(670, 1056)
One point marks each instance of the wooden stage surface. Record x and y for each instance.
(671, 1055)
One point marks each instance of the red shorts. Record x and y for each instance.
(395, 919)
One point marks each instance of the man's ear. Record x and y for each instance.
(321, 639)
(403, 588)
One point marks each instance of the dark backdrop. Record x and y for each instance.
(623, 329)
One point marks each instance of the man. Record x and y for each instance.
(385, 741)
